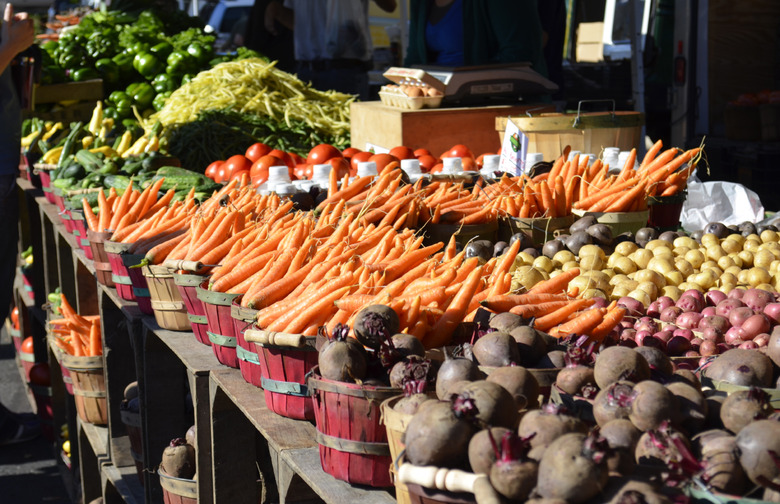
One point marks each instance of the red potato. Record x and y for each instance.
(670, 314)
(716, 322)
(757, 299)
(739, 315)
(689, 320)
(714, 297)
(754, 325)
(725, 307)
(690, 303)
(772, 310)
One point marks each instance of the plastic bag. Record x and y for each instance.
(718, 201)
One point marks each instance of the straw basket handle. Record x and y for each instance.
(451, 480)
(275, 338)
(181, 264)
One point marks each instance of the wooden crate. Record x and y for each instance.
(90, 90)
(434, 129)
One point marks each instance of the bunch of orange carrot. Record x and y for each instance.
(451, 203)
(75, 334)
(556, 311)
(525, 198)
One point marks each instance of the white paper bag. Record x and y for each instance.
(718, 201)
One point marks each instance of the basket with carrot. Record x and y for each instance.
(79, 339)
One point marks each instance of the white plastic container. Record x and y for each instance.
(321, 175)
(531, 159)
(411, 166)
(284, 189)
(276, 175)
(452, 165)
(367, 169)
(611, 157)
(572, 154)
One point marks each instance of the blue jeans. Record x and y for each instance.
(9, 234)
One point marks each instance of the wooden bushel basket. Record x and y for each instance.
(89, 387)
(434, 485)
(352, 439)
(221, 331)
(246, 352)
(178, 490)
(119, 273)
(99, 256)
(138, 281)
(395, 423)
(132, 422)
(285, 361)
(169, 310)
(187, 284)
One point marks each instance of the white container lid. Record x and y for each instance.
(591, 158)
(367, 169)
(573, 153)
(283, 189)
(490, 162)
(608, 150)
(279, 174)
(410, 166)
(452, 165)
(532, 158)
(321, 172)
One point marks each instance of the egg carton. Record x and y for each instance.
(395, 97)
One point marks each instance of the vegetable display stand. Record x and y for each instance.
(132, 422)
(99, 256)
(43, 171)
(43, 407)
(66, 378)
(59, 200)
(665, 211)
(119, 273)
(178, 490)
(187, 284)
(28, 361)
(435, 233)
(540, 229)
(16, 337)
(168, 307)
(89, 387)
(138, 281)
(395, 423)
(221, 330)
(285, 360)
(246, 352)
(352, 440)
(619, 222)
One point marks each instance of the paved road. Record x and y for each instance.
(28, 472)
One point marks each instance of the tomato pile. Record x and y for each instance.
(255, 162)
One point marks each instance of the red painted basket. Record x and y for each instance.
(188, 283)
(43, 170)
(138, 282)
(246, 352)
(285, 362)
(221, 331)
(100, 259)
(119, 274)
(80, 231)
(352, 438)
(178, 490)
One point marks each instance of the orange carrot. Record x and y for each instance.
(89, 215)
(441, 332)
(581, 324)
(556, 284)
(611, 319)
(547, 322)
(95, 345)
(537, 310)
(622, 203)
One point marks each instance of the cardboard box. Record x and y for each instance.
(590, 47)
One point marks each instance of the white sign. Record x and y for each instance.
(513, 150)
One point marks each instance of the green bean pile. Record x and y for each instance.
(255, 86)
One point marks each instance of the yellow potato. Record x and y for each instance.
(528, 276)
(706, 278)
(661, 265)
(751, 245)
(673, 292)
(591, 262)
(587, 250)
(543, 263)
(650, 288)
(715, 252)
(732, 270)
(674, 278)
(653, 244)
(737, 260)
(695, 257)
(684, 267)
(569, 265)
(768, 236)
(663, 252)
(680, 251)
(625, 248)
(647, 275)
(763, 258)
(618, 279)
(747, 258)
(609, 272)
(523, 259)
(709, 240)
(731, 246)
(685, 241)
(758, 276)
(725, 261)
(641, 257)
(742, 277)
(766, 287)
(624, 265)
(620, 291)
(562, 257)
(591, 293)
(689, 285)
(641, 296)
(736, 237)
(728, 277)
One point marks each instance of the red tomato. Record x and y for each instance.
(256, 151)
(296, 158)
(360, 157)
(240, 173)
(303, 171)
(284, 156)
(27, 345)
(234, 164)
(15, 317)
(321, 153)
(40, 375)
(437, 168)
(259, 169)
(481, 159)
(458, 150)
(402, 152)
(421, 152)
(341, 166)
(349, 152)
(469, 164)
(427, 162)
(213, 170)
(382, 160)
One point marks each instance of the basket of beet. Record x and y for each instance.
(284, 361)
(177, 471)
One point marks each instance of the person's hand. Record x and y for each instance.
(16, 33)
(269, 19)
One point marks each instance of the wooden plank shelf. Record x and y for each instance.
(121, 485)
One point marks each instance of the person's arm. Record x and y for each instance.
(275, 12)
(16, 35)
(386, 5)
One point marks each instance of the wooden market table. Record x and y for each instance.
(245, 452)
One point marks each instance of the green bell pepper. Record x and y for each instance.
(122, 102)
(147, 64)
(180, 63)
(200, 52)
(125, 63)
(82, 74)
(143, 96)
(161, 50)
(159, 101)
(108, 70)
(164, 82)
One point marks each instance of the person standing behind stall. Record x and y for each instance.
(16, 35)
(454, 33)
(332, 40)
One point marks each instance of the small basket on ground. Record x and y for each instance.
(188, 283)
(395, 422)
(169, 310)
(178, 490)
(89, 387)
(246, 352)
(132, 422)
(99, 257)
(285, 360)
(221, 330)
(352, 439)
